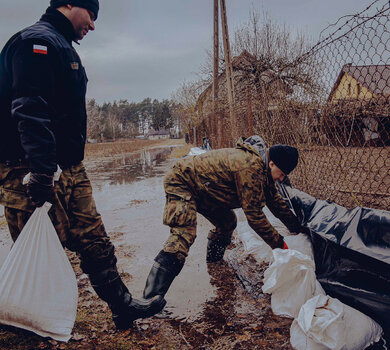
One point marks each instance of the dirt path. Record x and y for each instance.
(208, 307)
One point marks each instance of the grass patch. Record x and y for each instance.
(181, 151)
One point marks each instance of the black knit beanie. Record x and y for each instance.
(285, 157)
(92, 5)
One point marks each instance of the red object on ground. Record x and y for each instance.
(285, 246)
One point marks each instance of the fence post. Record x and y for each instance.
(195, 143)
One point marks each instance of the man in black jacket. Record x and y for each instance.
(43, 124)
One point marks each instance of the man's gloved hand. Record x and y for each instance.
(304, 230)
(40, 188)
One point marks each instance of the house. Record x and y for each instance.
(158, 134)
(358, 110)
(361, 82)
(258, 90)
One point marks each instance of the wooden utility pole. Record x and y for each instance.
(229, 71)
(217, 125)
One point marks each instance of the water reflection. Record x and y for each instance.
(129, 194)
(129, 167)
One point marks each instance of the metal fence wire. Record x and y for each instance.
(332, 103)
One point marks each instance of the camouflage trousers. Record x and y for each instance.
(73, 213)
(180, 212)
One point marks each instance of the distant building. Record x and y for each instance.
(258, 91)
(158, 134)
(361, 83)
(358, 106)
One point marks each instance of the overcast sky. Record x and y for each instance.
(147, 48)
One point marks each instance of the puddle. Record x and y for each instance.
(128, 168)
(129, 194)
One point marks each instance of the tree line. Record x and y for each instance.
(124, 119)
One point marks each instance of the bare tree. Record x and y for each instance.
(94, 120)
(185, 99)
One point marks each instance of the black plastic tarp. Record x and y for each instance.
(351, 251)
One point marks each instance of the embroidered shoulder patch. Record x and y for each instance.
(74, 65)
(40, 49)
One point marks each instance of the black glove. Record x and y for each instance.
(40, 188)
(305, 230)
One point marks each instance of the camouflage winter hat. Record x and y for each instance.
(285, 157)
(92, 5)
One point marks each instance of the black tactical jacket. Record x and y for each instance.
(42, 96)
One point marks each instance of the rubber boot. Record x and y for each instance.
(162, 274)
(215, 250)
(109, 287)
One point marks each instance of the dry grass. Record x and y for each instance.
(181, 151)
(108, 149)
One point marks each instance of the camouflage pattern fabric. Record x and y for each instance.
(214, 183)
(73, 213)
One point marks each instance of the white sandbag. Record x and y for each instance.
(276, 223)
(254, 244)
(292, 281)
(326, 323)
(38, 287)
(301, 243)
(196, 150)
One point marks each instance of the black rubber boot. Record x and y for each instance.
(163, 272)
(215, 250)
(109, 287)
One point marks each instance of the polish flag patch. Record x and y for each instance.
(40, 49)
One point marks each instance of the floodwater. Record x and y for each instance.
(207, 305)
(129, 194)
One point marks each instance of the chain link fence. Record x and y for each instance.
(332, 103)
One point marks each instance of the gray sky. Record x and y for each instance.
(147, 48)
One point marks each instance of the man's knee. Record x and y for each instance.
(179, 212)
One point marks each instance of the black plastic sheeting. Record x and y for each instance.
(351, 251)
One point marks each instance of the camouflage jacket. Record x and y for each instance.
(237, 178)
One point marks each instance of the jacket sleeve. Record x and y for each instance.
(280, 209)
(250, 184)
(34, 65)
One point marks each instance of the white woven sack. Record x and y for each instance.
(300, 242)
(254, 244)
(38, 287)
(326, 323)
(291, 280)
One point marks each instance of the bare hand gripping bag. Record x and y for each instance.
(38, 287)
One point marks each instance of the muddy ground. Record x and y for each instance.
(209, 306)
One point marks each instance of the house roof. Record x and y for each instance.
(375, 78)
(246, 62)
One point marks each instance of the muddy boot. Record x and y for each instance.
(109, 287)
(215, 250)
(163, 272)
